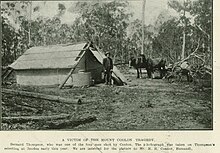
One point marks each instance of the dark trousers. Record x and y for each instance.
(108, 77)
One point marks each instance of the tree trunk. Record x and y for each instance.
(143, 22)
(29, 33)
(184, 33)
(183, 46)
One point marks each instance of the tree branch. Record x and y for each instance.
(203, 31)
(187, 56)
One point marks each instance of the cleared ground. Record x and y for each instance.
(143, 104)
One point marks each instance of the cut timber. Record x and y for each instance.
(22, 119)
(42, 96)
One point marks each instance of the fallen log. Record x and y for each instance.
(21, 106)
(23, 119)
(69, 123)
(42, 96)
(31, 106)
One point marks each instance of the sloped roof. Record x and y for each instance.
(57, 56)
(54, 56)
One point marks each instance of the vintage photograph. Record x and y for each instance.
(107, 65)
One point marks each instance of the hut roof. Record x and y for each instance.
(54, 56)
(58, 56)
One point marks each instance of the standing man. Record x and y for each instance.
(108, 68)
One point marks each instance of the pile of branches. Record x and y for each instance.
(195, 72)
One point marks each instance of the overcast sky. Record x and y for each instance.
(153, 9)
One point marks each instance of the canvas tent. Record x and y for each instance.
(117, 75)
(49, 65)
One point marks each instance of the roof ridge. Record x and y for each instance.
(48, 58)
(67, 44)
(51, 52)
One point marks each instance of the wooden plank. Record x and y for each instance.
(42, 96)
(7, 74)
(67, 77)
(72, 70)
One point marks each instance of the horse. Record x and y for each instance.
(155, 64)
(138, 63)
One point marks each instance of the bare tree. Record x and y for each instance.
(143, 22)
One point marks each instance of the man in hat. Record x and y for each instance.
(108, 68)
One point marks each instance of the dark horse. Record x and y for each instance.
(149, 64)
(155, 64)
(138, 63)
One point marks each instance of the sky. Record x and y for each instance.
(152, 9)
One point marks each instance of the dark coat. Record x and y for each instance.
(107, 64)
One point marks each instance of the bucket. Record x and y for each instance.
(82, 79)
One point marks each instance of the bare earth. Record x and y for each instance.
(143, 104)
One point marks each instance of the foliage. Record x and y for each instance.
(105, 24)
(197, 25)
(109, 26)
(13, 37)
(134, 40)
(167, 43)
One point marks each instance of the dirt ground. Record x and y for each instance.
(143, 104)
